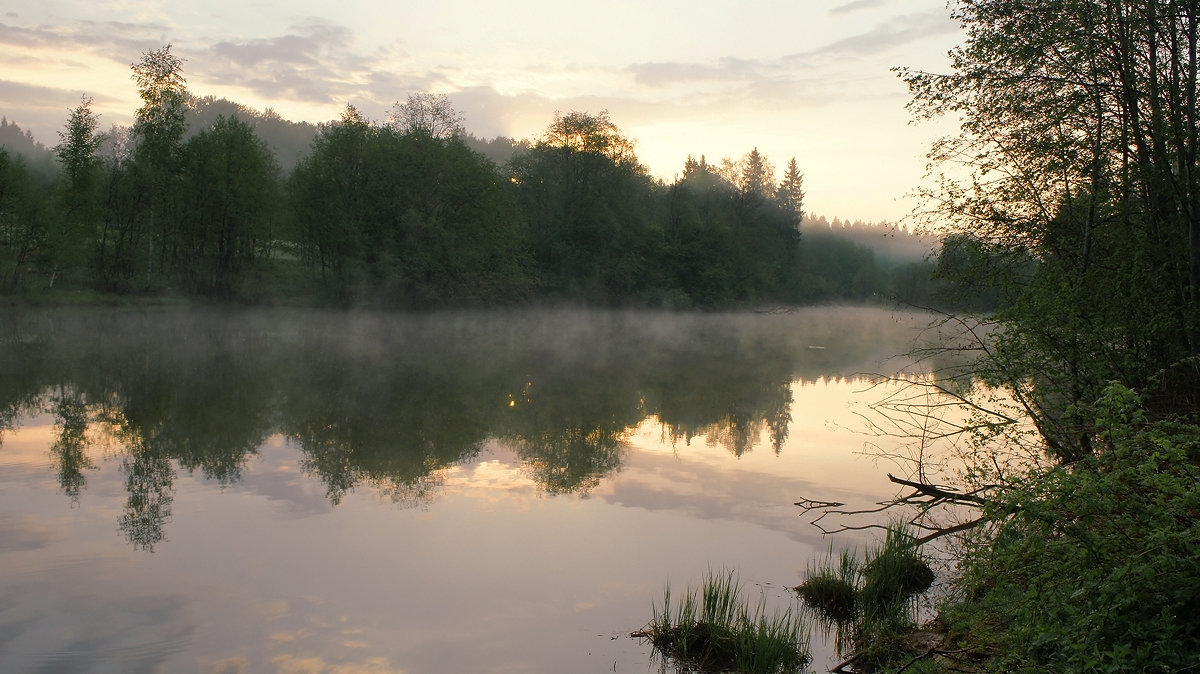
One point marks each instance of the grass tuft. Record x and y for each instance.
(830, 589)
(870, 602)
(714, 629)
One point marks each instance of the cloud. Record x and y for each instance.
(819, 76)
(780, 74)
(888, 35)
(44, 110)
(37, 97)
(32, 96)
(311, 63)
(113, 40)
(855, 6)
(725, 70)
(315, 62)
(312, 40)
(16, 36)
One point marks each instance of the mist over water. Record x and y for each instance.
(295, 490)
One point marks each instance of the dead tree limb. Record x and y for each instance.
(937, 492)
(924, 497)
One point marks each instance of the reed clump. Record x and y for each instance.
(830, 588)
(713, 628)
(870, 602)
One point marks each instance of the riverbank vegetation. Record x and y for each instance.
(869, 603)
(204, 198)
(1074, 193)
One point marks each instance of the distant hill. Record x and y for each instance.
(21, 143)
(290, 141)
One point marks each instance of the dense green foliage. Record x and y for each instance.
(1096, 569)
(1075, 192)
(203, 197)
(407, 217)
(23, 240)
(1080, 203)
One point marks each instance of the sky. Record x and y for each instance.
(809, 79)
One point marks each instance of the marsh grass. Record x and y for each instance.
(894, 573)
(869, 603)
(830, 588)
(713, 628)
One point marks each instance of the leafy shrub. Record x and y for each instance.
(1096, 568)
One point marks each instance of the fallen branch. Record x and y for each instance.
(809, 504)
(939, 493)
(925, 497)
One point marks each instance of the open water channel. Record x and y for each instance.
(307, 491)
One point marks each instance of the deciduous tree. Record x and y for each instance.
(232, 188)
(78, 147)
(158, 132)
(1079, 145)
(588, 132)
(78, 194)
(426, 113)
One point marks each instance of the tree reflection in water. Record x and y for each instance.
(69, 452)
(391, 401)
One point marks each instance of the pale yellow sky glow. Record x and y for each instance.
(808, 80)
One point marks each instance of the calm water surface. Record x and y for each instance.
(299, 491)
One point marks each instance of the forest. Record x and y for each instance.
(206, 198)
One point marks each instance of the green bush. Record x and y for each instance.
(1098, 567)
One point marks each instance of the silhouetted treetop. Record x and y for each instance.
(587, 132)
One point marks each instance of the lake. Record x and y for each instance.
(289, 491)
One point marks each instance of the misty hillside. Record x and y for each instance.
(893, 244)
(23, 144)
(290, 141)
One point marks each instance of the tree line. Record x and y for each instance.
(409, 212)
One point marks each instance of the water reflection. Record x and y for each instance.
(393, 402)
(69, 451)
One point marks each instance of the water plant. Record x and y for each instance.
(830, 588)
(714, 628)
(869, 602)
